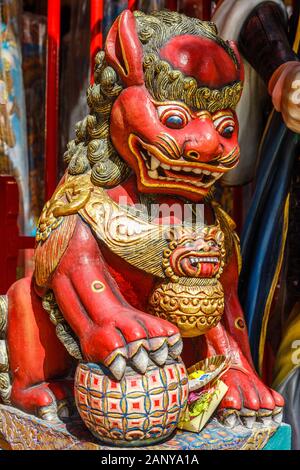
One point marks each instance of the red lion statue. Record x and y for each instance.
(111, 285)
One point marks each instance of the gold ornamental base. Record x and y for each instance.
(193, 305)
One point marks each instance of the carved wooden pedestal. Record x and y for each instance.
(20, 431)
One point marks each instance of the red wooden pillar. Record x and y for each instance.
(52, 97)
(9, 232)
(132, 4)
(97, 12)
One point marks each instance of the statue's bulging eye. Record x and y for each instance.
(227, 132)
(225, 126)
(175, 122)
(174, 118)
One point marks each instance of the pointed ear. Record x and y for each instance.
(124, 50)
(233, 46)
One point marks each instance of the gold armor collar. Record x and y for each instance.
(142, 244)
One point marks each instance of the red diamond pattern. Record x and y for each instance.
(126, 405)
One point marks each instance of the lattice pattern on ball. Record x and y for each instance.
(137, 408)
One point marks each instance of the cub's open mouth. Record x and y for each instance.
(196, 264)
(194, 260)
(156, 165)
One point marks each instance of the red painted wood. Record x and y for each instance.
(26, 243)
(52, 97)
(207, 6)
(172, 4)
(97, 13)
(132, 4)
(9, 232)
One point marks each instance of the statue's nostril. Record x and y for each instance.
(193, 154)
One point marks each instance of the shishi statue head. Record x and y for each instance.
(162, 107)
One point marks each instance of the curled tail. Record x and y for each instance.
(5, 379)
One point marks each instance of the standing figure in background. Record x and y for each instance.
(269, 283)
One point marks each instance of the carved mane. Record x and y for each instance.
(92, 149)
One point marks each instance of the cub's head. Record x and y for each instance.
(162, 106)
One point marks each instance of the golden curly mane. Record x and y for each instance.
(92, 149)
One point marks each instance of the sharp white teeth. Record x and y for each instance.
(187, 169)
(176, 168)
(154, 163)
(206, 172)
(197, 171)
(153, 174)
(166, 167)
(194, 261)
(216, 174)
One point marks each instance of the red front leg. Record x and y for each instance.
(247, 396)
(39, 363)
(110, 330)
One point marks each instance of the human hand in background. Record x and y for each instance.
(284, 87)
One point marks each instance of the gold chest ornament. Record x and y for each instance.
(186, 260)
(192, 296)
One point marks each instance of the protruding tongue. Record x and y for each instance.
(206, 269)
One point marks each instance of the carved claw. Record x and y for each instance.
(135, 346)
(63, 409)
(173, 340)
(229, 418)
(265, 417)
(278, 414)
(176, 349)
(160, 356)
(140, 360)
(49, 413)
(156, 343)
(248, 417)
(118, 366)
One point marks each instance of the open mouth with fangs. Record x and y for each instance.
(156, 166)
(199, 264)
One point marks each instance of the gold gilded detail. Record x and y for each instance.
(193, 297)
(98, 286)
(3, 315)
(240, 323)
(92, 151)
(194, 309)
(190, 251)
(165, 83)
(68, 199)
(228, 227)
(63, 331)
(259, 438)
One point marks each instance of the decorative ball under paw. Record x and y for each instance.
(137, 411)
